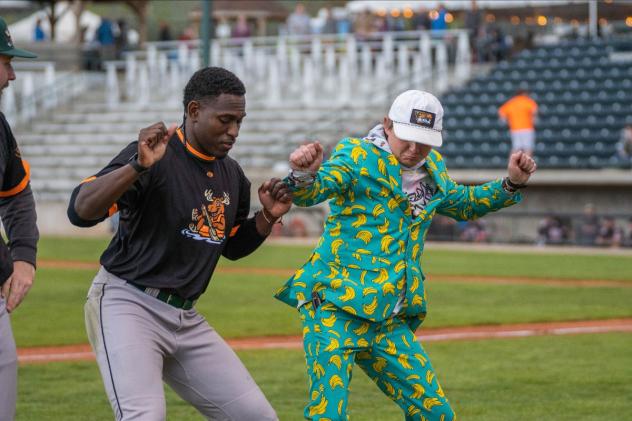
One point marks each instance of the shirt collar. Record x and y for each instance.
(378, 138)
(191, 149)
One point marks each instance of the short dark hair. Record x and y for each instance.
(209, 83)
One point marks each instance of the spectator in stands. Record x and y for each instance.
(187, 34)
(627, 240)
(298, 23)
(473, 20)
(343, 22)
(329, 25)
(609, 234)
(624, 146)
(363, 24)
(588, 226)
(501, 45)
(120, 39)
(520, 113)
(39, 35)
(551, 230)
(439, 23)
(164, 33)
(421, 22)
(223, 29)
(483, 44)
(380, 24)
(475, 232)
(105, 37)
(241, 28)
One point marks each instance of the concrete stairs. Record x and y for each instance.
(74, 143)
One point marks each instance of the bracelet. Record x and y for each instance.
(514, 185)
(133, 161)
(301, 179)
(278, 220)
(510, 187)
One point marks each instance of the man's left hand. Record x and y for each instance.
(275, 197)
(520, 167)
(18, 285)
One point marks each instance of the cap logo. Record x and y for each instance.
(9, 40)
(422, 118)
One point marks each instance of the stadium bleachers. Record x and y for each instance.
(75, 143)
(584, 98)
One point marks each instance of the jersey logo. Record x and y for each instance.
(209, 221)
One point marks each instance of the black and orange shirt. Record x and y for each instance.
(17, 207)
(177, 219)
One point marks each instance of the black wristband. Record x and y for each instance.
(133, 161)
(515, 186)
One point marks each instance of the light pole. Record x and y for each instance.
(206, 31)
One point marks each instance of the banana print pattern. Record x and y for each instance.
(388, 352)
(367, 258)
(371, 242)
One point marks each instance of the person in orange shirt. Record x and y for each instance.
(520, 112)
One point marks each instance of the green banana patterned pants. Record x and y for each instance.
(387, 351)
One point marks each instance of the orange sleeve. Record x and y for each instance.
(234, 231)
(22, 184)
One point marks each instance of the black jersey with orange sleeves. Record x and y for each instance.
(17, 207)
(177, 219)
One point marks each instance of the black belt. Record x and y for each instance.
(171, 299)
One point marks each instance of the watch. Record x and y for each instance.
(510, 187)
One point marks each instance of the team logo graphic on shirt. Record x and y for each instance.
(209, 221)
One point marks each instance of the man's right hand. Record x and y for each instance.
(307, 157)
(152, 143)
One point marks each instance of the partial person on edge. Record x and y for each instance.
(17, 211)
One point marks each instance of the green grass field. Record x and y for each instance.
(583, 377)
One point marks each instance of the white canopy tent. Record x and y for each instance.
(65, 29)
(356, 6)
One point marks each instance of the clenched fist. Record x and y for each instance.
(307, 157)
(152, 143)
(520, 167)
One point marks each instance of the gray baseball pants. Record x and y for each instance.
(139, 341)
(8, 366)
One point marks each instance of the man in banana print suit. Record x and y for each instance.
(361, 293)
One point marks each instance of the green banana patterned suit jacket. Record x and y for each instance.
(372, 245)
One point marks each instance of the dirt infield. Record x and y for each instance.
(84, 353)
(501, 280)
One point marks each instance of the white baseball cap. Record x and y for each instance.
(417, 117)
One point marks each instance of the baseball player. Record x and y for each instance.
(361, 293)
(17, 211)
(183, 203)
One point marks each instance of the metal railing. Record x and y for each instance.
(302, 70)
(39, 89)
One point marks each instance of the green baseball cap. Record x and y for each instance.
(6, 44)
